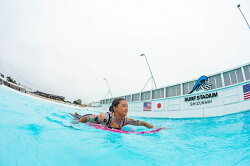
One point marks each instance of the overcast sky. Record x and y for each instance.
(67, 47)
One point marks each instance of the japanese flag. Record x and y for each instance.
(159, 105)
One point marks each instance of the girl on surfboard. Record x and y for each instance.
(115, 118)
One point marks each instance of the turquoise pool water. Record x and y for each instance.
(34, 132)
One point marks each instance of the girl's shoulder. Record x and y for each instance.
(132, 121)
(128, 119)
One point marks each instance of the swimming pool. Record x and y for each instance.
(34, 132)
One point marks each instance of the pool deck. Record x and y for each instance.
(46, 99)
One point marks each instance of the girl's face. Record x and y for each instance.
(122, 108)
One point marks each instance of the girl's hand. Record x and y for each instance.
(164, 128)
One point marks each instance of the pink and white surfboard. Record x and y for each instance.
(98, 126)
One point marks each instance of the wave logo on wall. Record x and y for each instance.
(201, 84)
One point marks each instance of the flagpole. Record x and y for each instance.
(243, 15)
(149, 70)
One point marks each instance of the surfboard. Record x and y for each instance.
(98, 126)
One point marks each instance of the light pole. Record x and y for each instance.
(109, 88)
(243, 15)
(150, 72)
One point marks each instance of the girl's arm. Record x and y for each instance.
(131, 121)
(92, 118)
(146, 124)
(83, 119)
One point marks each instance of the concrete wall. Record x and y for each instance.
(211, 103)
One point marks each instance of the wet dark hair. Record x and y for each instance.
(115, 103)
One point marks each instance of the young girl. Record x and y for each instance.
(116, 118)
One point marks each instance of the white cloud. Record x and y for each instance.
(68, 47)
